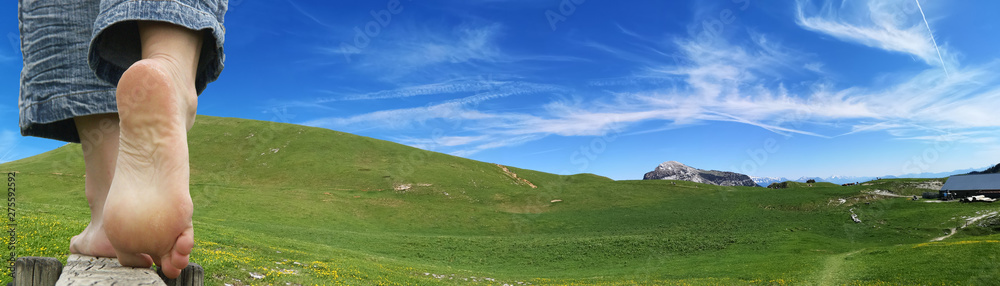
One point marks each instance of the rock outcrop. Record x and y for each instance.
(673, 170)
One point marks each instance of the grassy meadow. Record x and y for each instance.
(280, 204)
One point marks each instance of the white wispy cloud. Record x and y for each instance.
(484, 88)
(9, 141)
(429, 54)
(454, 109)
(464, 44)
(435, 143)
(681, 81)
(815, 67)
(718, 81)
(447, 87)
(310, 16)
(497, 143)
(714, 82)
(891, 25)
(409, 51)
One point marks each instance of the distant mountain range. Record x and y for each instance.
(765, 181)
(674, 170)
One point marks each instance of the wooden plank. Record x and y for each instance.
(89, 270)
(36, 271)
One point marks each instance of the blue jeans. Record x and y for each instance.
(75, 51)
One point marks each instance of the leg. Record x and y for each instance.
(99, 137)
(148, 211)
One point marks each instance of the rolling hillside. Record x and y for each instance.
(279, 203)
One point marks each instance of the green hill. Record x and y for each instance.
(305, 205)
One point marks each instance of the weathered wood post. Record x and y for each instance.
(36, 271)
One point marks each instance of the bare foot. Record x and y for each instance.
(99, 139)
(92, 241)
(147, 216)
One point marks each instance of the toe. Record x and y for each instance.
(182, 249)
(134, 259)
(173, 262)
(168, 268)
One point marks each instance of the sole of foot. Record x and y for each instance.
(147, 216)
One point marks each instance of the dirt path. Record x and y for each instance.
(832, 269)
(967, 223)
(888, 194)
(515, 177)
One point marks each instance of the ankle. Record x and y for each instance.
(175, 44)
(178, 49)
(182, 71)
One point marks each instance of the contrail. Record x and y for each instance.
(932, 38)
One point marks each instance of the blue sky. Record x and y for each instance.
(797, 88)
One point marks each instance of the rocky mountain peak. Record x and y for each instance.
(671, 164)
(673, 170)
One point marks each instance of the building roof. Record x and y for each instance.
(972, 182)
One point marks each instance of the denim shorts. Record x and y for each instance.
(75, 51)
